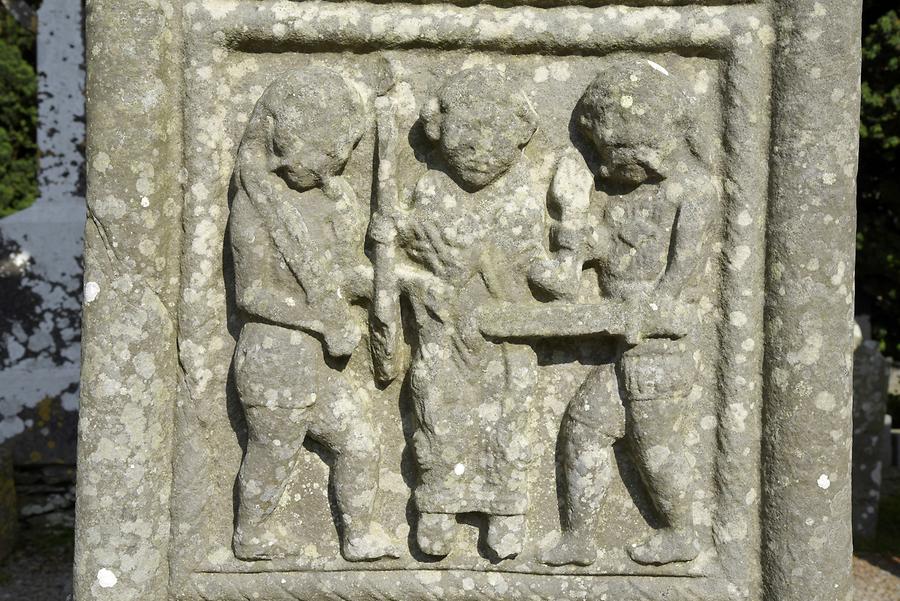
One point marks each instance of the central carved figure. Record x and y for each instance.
(475, 225)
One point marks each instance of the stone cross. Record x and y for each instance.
(542, 299)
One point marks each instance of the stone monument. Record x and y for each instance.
(538, 300)
(871, 372)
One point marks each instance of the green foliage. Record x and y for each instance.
(18, 117)
(878, 240)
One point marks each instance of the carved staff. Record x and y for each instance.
(384, 312)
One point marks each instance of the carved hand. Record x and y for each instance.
(339, 190)
(382, 227)
(428, 246)
(570, 190)
(655, 315)
(342, 342)
(558, 276)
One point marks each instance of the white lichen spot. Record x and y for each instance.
(541, 74)
(428, 577)
(91, 290)
(459, 469)
(766, 35)
(560, 71)
(106, 578)
(825, 401)
(740, 256)
(738, 319)
(626, 101)
(658, 67)
(838, 277)
(750, 497)
(824, 482)
(702, 85)
(101, 162)
(809, 353)
(738, 414)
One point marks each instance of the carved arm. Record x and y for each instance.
(291, 237)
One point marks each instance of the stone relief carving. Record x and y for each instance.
(475, 224)
(171, 410)
(647, 228)
(457, 279)
(296, 277)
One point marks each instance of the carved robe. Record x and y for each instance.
(471, 397)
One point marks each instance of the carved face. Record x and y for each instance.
(479, 125)
(634, 115)
(632, 151)
(304, 163)
(314, 120)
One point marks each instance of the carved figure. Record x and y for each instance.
(474, 226)
(296, 276)
(646, 229)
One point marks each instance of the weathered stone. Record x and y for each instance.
(427, 300)
(870, 391)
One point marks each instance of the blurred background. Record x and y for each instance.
(42, 213)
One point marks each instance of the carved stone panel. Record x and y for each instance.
(462, 302)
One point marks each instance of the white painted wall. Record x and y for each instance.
(40, 355)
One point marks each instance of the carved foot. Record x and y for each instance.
(505, 535)
(250, 545)
(368, 547)
(435, 533)
(666, 546)
(571, 550)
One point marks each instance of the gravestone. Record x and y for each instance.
(871, 373)
(425, 300)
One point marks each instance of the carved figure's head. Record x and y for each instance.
(479, 124)
(635, 114)
(313, 119)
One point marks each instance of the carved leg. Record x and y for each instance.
(658, 375)
(272, 450)
(660, 453)
(343, 426)
(506, 534)
(593, 421)
(435, 533)
(587, 473)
